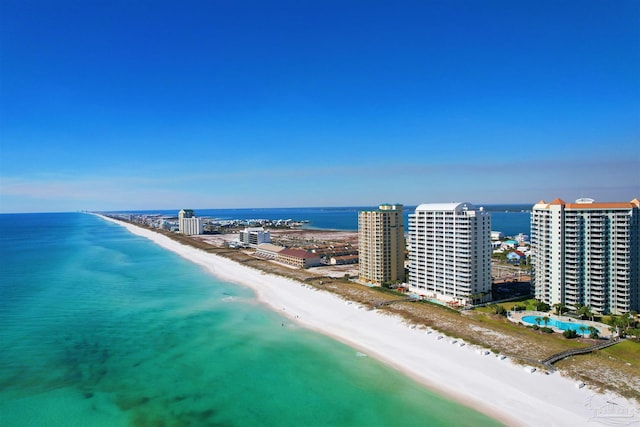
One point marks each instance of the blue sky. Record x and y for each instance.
(116, 105)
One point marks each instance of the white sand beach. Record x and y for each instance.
(464, 373)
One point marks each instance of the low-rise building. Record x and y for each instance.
(343, 259)
(511, 244)
(268, 251)
(516, 257)
(298, 258)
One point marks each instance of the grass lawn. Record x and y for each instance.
(628, 351)
(529, 303)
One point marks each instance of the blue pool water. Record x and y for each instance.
(555, 323)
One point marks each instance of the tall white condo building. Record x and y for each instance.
(450, 254)
(188, 223)
(587, 253)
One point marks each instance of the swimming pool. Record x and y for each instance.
(555, 323)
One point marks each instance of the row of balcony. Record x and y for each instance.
(449, 278)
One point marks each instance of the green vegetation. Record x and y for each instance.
(560, 308)
(391, 285)
(584, 311)
(518, 305)
(440, 306)
(634, 333)
(500, 256)
(627, 351)
(541, 306)
(624, 325)
(570, 334)
(388, 291)
(498, 309)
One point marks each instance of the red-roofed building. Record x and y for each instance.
(516, 256)
(298, 258)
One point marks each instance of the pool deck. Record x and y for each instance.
(516, 317)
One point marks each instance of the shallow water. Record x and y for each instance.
(103, 328)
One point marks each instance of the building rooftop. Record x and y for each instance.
(455, 206)
(585, 203)
(269, 247)
(385, 207)
(298, 253)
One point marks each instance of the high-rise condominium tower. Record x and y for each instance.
(450, 252)
(381, 245)
(188, 223)
(185, 213)
(586, 253)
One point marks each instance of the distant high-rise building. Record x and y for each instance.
(586, 253)
(188, 223)
(450, 252)
(254, 236)
(185, 213)
(381, 245)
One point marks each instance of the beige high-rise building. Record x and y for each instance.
(381, 245)
(587, 253)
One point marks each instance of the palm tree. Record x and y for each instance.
(582, 330)
(546, 321)
(629, 320)
(618, 325)
(584, 311)
(538, 320)
(560, 308)
(587, 312)
(594, 333)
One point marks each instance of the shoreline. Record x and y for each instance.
(498, 388)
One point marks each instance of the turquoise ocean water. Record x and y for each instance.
(99, 327)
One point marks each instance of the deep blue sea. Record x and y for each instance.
(510, 219)
(99, 327)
